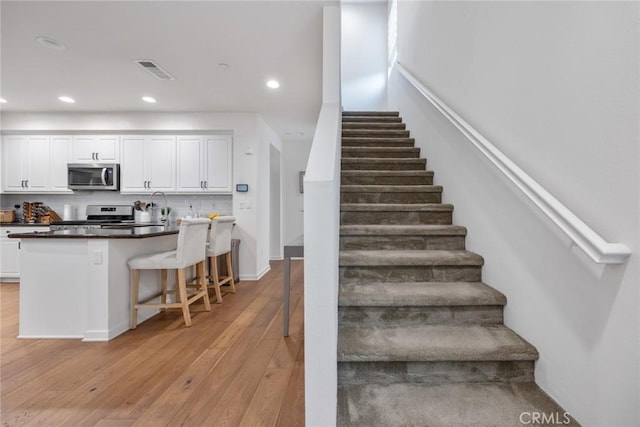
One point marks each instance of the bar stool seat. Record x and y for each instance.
(190, 251)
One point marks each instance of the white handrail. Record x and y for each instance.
(580, 233)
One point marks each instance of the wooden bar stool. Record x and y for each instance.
(191, 251)
(220, 244)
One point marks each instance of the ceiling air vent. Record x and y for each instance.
(155, 69)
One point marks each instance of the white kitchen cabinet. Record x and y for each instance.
(59, 157)
(34, 163)
(96, 149)
(148, 164)
(10, 251)
(204, 164)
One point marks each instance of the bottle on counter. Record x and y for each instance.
(191, 213)
(18, 213)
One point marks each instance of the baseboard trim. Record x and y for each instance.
(254, 277)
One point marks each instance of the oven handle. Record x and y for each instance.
(104, 176)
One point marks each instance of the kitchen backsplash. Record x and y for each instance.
(204, 205)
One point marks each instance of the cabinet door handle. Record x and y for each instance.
(26, 183)
(206, 186)
(97, 156)
(145, 185)
(93, 156)
(149, 185)
(22, 183)
(19, 247)
(201, 184)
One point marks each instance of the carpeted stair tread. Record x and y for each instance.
(417, 294)
(406, 258)
(369, 119)
(446, 405)
(376, 132)
(386, 173)
(432, 343)
(409, 230)
(381, 152)
(390, 188)
(370, 113)
(397, 207)
(363, 141)
(373, 125)
(409, 160)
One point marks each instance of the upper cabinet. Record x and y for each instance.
(172, 164)
(204, 164)
(35, 164)
(148, 164)
(96, 149)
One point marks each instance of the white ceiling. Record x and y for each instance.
(259, 40)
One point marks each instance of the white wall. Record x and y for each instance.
(251, 137)
(364, 56)
(295, 155)
(555, 86)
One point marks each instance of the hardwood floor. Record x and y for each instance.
(233, 367)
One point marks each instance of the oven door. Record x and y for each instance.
(93, 176)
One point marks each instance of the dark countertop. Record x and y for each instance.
(100, 233)
(23, 224)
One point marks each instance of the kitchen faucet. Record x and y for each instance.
(163, 216)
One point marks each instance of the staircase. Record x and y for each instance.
(421, 339)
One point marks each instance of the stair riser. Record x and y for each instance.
(418, 165)
(402, 242)
(387, 180)
(438, 273)
(377, 142)
(395, 218)
(388, 197)
(373, 126)
(408, 153)
(434, 372)
(378, 133)
(371, 119)
(409, 316)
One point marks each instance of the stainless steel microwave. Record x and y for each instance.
(93, 176)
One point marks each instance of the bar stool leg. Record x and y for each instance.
(213, 269)
(163, 283)
(202, 281)
(133, 311)
(182, 289)
(232, 283)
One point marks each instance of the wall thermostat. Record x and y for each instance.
(242, 188)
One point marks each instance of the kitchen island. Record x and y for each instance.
(75, 283)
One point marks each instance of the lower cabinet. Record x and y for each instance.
(10, 251)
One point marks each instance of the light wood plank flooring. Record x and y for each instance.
(232, 367)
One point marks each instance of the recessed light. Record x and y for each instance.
(50, 43)
(3, 101)
(223, 66)
(149, 99)
(273, 84)
(67, 99)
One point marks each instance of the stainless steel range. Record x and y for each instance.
(99, 216)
